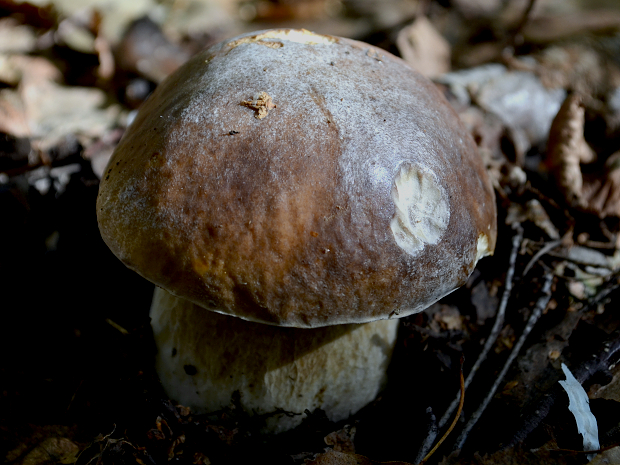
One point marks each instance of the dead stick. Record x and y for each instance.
(456, 417)
(433, 430)
(497, 326)
(524, 20)
(548, 247)
(540, 306)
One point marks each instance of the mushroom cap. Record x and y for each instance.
(298, 179)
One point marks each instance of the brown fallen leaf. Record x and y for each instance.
(145, 50)
(610, 456)
(601, 191)
(610, 391)
(567, 149)
(342, 440)
(15, 37)
(547, 28)
(425, 49)
(13, 119)
(55, 450)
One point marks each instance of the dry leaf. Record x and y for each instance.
(449, 318)
(552, 28)
(601, 192)
(13, 119)
(610, 391)
(574, 66)
(56, 450)
(27, 70)
(477, 8)
(610, 456)
(424, 48)
(567, 149)
(55, 112)
(146, 51)
(342, 440)
(15, 37)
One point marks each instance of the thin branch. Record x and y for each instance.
(456, 418)
(430, 437)
(548, 247)
(540, 306)
(524, 20)
(606, 355)
(497, 326)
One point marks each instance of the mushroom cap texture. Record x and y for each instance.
(299, 179)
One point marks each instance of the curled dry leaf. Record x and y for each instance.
(342, 440)
(610, 391)
(601, 192)
(567, 149)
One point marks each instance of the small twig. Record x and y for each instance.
(116, 326)
(430, 437)
(524, 19)
(610, 285)
(74, 395)
(540, 306)
(497, 326)
(548, 247)
(456, 417)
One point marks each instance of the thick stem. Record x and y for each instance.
(206, 359)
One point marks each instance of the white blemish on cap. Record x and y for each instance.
(422, 211)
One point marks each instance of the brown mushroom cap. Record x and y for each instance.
(297, 179)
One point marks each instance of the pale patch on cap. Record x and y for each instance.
(482, 247)
(301, 36)
(422, 211)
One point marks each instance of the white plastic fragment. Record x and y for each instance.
(579, 405)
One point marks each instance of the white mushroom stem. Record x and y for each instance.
(204, 358)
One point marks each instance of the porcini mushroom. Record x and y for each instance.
(291, 195)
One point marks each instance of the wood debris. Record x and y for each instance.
(262, 103)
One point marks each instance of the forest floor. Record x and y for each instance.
(538, 85)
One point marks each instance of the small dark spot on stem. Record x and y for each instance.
(190, 369)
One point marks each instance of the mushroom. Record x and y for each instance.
(292, 195)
